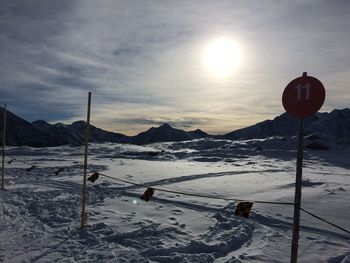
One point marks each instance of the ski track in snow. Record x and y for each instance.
(40, 215)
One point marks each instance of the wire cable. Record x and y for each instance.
(194, 194)
(324, 220)
(227, 199)
(30, 164)
(202, 195)
(35, 165)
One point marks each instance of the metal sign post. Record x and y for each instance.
(3, 148)
(301, 98)
(297, 197)
(83, 192)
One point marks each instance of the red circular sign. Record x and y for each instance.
(303, 96)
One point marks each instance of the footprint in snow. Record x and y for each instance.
(173, 221)
(177, 211)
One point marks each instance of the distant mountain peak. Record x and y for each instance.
(79, 122)
(198, 133)
(166, 126)
(40, 122)
(60, 124)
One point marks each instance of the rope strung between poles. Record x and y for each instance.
(324, 220)
(34, 165)
(225, 199)
(60, 169)
(14, 159)
(193, 194)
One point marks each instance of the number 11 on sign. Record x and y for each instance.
(300, 88)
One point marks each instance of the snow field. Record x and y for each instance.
(40, 210)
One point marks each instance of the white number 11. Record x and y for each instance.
(299, 89)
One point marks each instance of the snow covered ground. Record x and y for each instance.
(40, 211)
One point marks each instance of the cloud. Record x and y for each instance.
(142, 60)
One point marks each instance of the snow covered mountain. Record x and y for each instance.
(166, 133)
(335, 124)
(21, 132)
(43, 134)
(74, 133)
(96, 134)
(58, 132)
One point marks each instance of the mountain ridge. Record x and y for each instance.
(333, 124)
(43, 134)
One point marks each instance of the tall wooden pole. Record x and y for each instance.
(83, 192)
(297, 198)
(3, 148)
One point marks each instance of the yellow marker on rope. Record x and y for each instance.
(243, 209)
(92, 178)
(147, 194)
(59, 171)
(30, 168)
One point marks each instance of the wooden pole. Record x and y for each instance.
(3, 148)
(84, 192)
(297, 198)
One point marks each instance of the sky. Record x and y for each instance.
(143, 61)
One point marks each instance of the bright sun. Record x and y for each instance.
(222, 56)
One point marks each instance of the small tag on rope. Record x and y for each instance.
(59, 171)
(92, 178)
(243, 209)
(30, 168)
(147, 194)
(9, 162)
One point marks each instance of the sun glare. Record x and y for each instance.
(222, 56)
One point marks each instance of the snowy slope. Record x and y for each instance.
(40, 210)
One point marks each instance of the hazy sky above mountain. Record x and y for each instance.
(143, 60)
